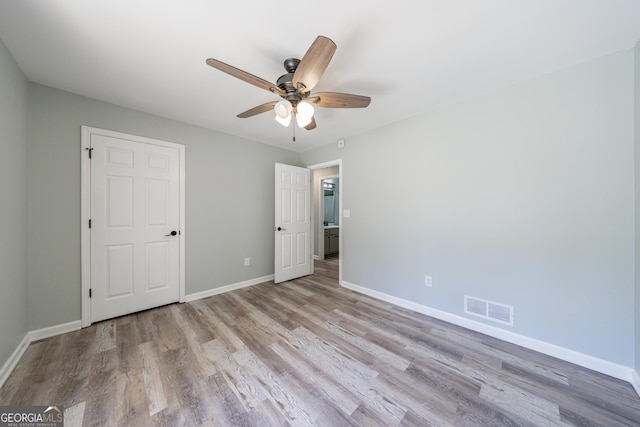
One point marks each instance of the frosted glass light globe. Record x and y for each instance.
(304, 113)
(283, 109)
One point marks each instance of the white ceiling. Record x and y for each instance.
(408, 56)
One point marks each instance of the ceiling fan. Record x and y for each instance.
(295, 87)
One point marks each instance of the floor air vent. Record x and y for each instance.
(489, 310)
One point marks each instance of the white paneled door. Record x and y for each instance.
(293, 223)
(135, 225)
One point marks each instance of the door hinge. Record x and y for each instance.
(90, 292)
(89, 223)
(90, 150)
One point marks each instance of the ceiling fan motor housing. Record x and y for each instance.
(285, 82)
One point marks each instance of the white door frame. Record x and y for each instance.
(315, 222)
(85, 210)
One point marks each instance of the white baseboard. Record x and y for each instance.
(615, 370)
(13, 360)
(227, 288)
(30, 337)
(52, 331)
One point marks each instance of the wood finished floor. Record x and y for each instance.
(306, 352)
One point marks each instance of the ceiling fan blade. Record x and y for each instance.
(243, 75)
(314, 63)
(312, 124)
(258, 110)
(338, 100)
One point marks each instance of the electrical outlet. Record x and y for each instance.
(428, 282)
(247, 262)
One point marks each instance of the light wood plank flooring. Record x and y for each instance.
(306, 352)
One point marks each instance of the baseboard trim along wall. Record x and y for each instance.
(227, 288)
(13, 360)
(52, 331)
(30, 337)
(615, 370)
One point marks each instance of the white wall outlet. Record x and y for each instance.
(247, 262)
(428, 281)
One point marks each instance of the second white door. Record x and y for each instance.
(293, 223)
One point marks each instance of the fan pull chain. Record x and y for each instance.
(294, 132)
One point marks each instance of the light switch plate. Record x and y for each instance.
(341, 143)
(346, 213)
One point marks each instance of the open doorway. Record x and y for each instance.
(329, 214)
(327, 229)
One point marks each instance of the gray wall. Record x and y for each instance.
(229, 199)
(13, 205)
(524, 196)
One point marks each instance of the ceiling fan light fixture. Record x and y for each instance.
(302, 121)
(304, 113)
(284, 121)
(283, 109)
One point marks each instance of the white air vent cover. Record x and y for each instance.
(489, 310)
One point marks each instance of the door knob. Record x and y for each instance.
(173, 233)
(281, 229)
